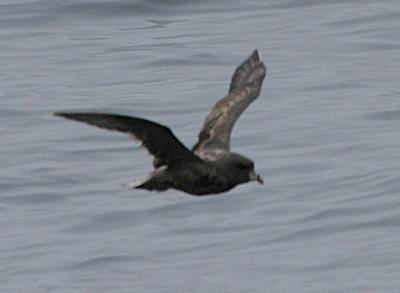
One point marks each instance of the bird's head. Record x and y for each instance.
(245, 167)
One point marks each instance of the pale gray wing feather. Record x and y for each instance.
(245, 88)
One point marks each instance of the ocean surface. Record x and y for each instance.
(324, 133)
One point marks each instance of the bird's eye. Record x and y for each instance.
(244, 166)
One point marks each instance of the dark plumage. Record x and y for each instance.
(209, 167)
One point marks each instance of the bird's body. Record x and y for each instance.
(209, 177)
(208, 168)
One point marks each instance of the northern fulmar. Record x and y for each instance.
(209, 167)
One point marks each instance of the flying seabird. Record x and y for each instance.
(209, 167)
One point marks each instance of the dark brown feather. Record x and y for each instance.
(156, 138)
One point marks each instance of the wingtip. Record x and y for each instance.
(67, 115)
(63, 115)
(72, 115)
(58, 114)
(256, 54)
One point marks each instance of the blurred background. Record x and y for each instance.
(324, 134)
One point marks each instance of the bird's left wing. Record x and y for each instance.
(156, 138)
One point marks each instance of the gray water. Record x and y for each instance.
(325, 134)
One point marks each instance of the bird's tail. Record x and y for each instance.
(150, 182)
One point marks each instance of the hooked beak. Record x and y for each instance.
(256, 177)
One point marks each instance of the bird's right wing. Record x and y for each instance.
(245, 87)
(157, 139)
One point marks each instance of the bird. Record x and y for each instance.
(209, 167)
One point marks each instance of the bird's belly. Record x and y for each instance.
(200, 183)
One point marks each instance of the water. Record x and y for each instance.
(324, 133)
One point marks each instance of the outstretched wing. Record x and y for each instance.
(157, 139)
(245, 87)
